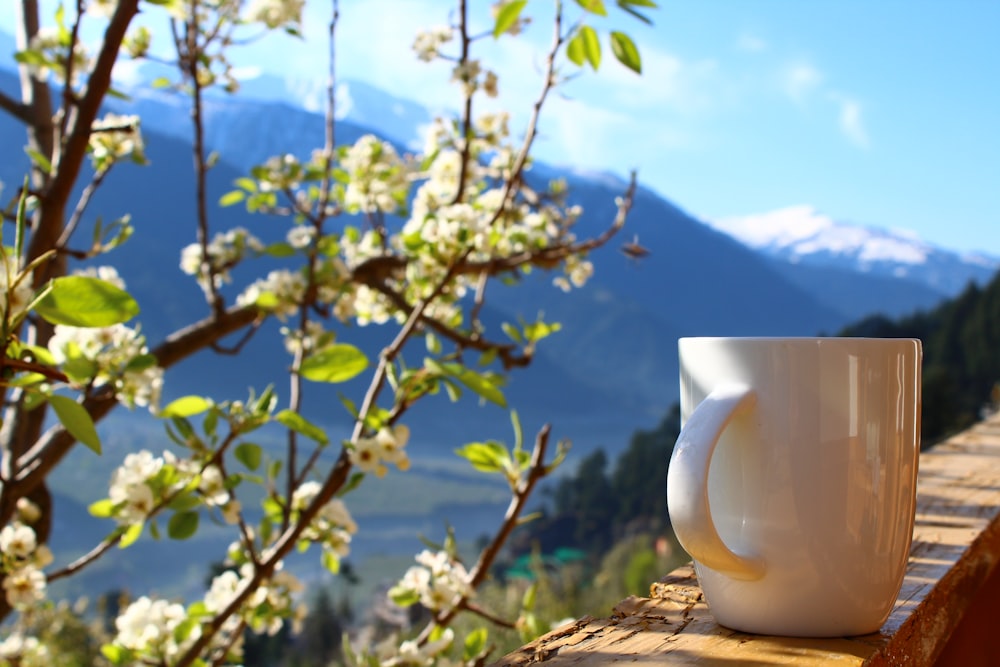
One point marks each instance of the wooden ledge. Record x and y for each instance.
(943, 615)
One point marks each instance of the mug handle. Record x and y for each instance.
(687, 483)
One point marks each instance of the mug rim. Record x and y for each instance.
(807, 339)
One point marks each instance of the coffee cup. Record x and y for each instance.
(793, 481)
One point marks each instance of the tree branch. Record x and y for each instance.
(20, 111)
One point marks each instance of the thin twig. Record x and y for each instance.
(463, 173)
(81, 207)
(536, 471)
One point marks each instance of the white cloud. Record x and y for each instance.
(851, 122)
(801, 79)
(750, 43)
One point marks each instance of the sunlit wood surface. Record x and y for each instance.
(946, 613)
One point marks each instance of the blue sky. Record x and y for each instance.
(884, 113)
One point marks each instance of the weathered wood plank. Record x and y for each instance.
(955, 551)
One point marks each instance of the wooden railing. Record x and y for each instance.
(946, 613)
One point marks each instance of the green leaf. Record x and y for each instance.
(485, 456)
(39, 160)
(130, 535)
(102, 509)
(475, 642)
(272, 508)
(507, 16)
(625, 51)
(300, 424)
(116, 655)
(186, 406)
(593, 6)
(232, 197)
(160, 82)
(75, 418)
(453, 390)
(528, 600)
(591, 46)
(336, 363)
(575, 51)
(140, 362)
(352, 483)
(31, 57)
(183, 629)
(247, 184)
(488, 357)
(331, 562)
(248, 454)
(536, 331)
(80, 369)
(483, 386)
(626, 5)
(198, 609)
(185, 502)
(509, 328)
(404, 596)
(182, 525)
(84, 301)
(433, 343)
(515, 422)
(279, 249)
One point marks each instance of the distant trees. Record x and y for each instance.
(599, 504)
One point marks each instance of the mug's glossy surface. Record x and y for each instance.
(793, 483)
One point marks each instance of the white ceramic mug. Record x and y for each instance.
(793, 482)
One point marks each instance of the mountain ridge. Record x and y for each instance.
(803, 235)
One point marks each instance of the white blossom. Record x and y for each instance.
(17, 540)
(147, 627)
(231, 511)
(102, 8)
(23, 651)
(223, 591)
(112, 351)
(439, 581)
(378, 177)
(300, 236)
(115, 137)
(224, 251)
(16, 290)
(467, 74)
(428, 43)
(366, 454)
(27, 511)
(53, 44)
(130, 491)
(411, 653)
(108, 274)
(24, 587)
(281, 293)
(275, 13)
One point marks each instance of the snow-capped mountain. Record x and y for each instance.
(803, 235)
